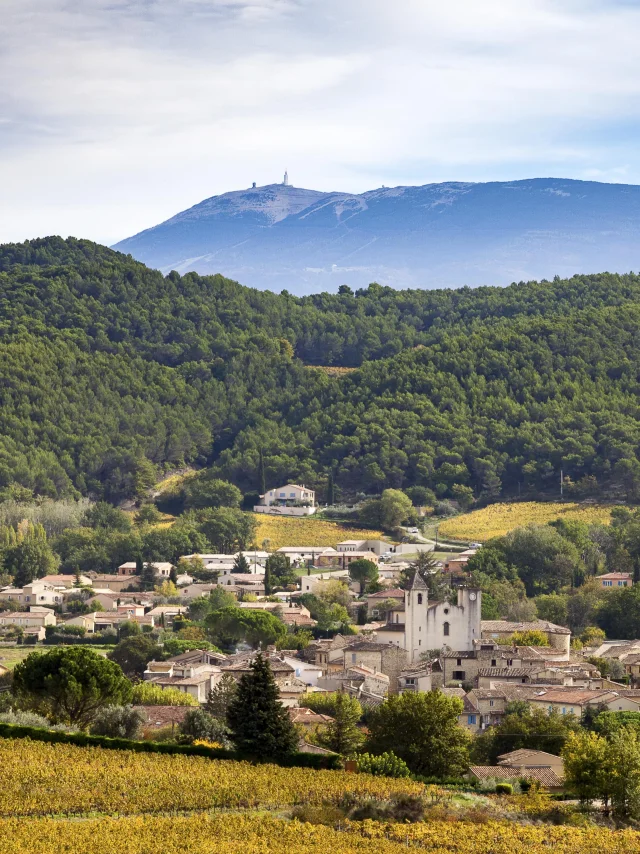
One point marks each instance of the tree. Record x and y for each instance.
(206, 490)
(132, 654)
(199, 725)
(148, 514)
(129, 628)
(364, 572)
(118, 722)
(585, 761)
(259, 723)
(622, 769)
(262, 480)
(335, 592)
(148, 577)
(552, 607)
(104, 515)
(167, 589)
(395, 508)
(220, 697)
(227, 529)
(331, 497)
(70, 684)
(150, 694)
(428, 569)
(280, 569)
(463, 495)
(230, 625)
(524, 728)
(619, 613)
(28, 560)
(421, 729)
(545, 560)
(241, 564)
(342, 734)
(532, 637)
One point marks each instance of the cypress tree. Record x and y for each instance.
(261, 475)
(268, 583)
(260, 724)
(330, 490)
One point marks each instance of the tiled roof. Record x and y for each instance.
(391, 627)
(396, 592)
(535, 625)
(504, 672)
(307, 716)
(614, 576)
(161, 716)
(523, 753)
(546, 776)
(579, 696)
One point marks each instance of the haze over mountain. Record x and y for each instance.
(436, 235)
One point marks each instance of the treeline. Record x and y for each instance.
(111, 373)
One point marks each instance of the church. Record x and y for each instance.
(419, 625)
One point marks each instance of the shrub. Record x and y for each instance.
(118, 722)
(385, 765)
(198, 725)
(148, 694)
(504, 789)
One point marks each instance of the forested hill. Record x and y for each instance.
(110, 372)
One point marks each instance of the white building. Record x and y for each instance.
(419, 625)
(289, 500)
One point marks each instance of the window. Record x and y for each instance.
(491, 703)
(509, 662)
(607, 583)
(564, 711)
(622, 584)
(458, 675)
(419, 598)
(445, 629)
(471, 720)
(494, 662)
(283, 495)
(458, 661)
(353, 658)
(292, 495)
(410, 681)
(419, 643)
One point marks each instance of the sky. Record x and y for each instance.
(117, 114)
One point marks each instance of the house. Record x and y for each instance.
(289, 500)
(346, 558)
(291, 615)
(300, 554)
(527, 759)
(558, 637)
(102, 621)
(378, 657)
(314, 583)
(489, 676)
(410, 549)
(32, 619)
(110, 582)
(374, 600)
(162, 568)
(307, 672)
(418, 625)
(547, 777)
(615, 579)
(67, 581)
(377, 547)
(161, 717)
(190, 675)
(164, 615)
(415, 679)
(567, 701)
(458, 562)
(308, 719)
(37, 592)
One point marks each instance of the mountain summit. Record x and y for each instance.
(437, 235)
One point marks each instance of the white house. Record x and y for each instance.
(418, 625)
(289, 500)
(38, 592)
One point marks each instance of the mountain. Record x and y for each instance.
(436, 235)
(111, 373)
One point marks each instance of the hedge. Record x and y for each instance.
(81, 739)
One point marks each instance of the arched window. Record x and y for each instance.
(419, 598)
(445, 629)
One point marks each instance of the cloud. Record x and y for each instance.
(115, 115)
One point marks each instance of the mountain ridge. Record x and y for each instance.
(448, 234)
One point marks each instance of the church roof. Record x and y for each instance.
(418, 583)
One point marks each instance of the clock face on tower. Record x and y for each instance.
(472, 596)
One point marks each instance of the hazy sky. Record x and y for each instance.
(116, 114)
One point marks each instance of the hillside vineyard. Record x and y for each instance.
(111, 372)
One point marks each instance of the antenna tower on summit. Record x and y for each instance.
(285, 183)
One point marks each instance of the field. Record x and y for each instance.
(12, 655)
(498, 519)
(256, 834)
(43, 779)
(306, 531)
(79, 800)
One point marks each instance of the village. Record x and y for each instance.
(398, 638)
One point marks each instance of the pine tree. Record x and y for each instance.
(241, 564)
(260, 724)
